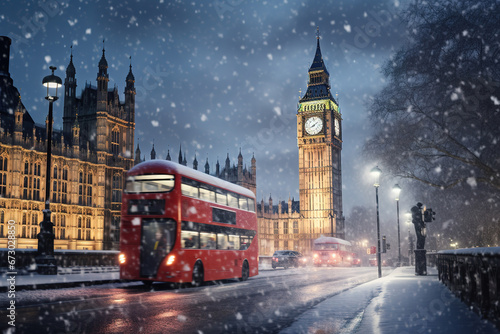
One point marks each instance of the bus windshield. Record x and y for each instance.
(150, 183)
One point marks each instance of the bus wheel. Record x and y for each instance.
(245, 271)
(197, 274)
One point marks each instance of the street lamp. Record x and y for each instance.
(397, 190)
(376, 175)
(410, 240)
(46, 263)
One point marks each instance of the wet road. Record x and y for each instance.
(264, 304)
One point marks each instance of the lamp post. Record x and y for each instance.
(376, 175)
(410, 241)
(397, 190)
(46, 263)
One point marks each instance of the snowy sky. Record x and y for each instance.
(214, 76)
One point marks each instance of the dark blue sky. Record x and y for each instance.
(214, 76)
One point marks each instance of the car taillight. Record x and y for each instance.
(122, 259)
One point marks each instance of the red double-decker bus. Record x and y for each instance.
(332, 252)
(181, 225)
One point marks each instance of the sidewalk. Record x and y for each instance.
(398, 303)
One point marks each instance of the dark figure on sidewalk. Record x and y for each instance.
(416, 211)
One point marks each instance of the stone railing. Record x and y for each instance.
(474, 276)
(25, 259)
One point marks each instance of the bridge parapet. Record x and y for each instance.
(473, 275)
(25, 259)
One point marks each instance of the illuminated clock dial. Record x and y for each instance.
(337, 127)
(313, 125)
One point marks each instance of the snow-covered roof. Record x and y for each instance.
(331, 240)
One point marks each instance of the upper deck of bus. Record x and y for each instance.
(157, 167)
(331, 240)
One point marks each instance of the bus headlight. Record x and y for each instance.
(122, 259)
(170, 260)
(315, 255)
(333, 255)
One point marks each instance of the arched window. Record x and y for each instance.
(2, 217)
(79, 228)
(3, 176)
(88, 225)
(115, 141)
(117, 188)
(25, 188)
(54, 192)
(89, 196)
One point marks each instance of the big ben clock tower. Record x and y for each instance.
(319, 137)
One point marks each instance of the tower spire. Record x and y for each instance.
(318, 86)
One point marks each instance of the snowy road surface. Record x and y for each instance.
(263, 304)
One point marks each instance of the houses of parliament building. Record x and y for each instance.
(90, 156)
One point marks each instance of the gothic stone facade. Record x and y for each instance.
(90, 156)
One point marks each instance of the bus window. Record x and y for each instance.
(245, 242)
(189, 239)
(189, 190)
(222, 241)
(232, 200)
(207, 240)
(220, 197)
(207, 194)
(234, 241)
(243, 203)
(223, 216)
(251, 205)
(149, 183)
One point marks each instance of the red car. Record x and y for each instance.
(373, 262)
(356, 261)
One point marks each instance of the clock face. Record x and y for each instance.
(337, 127)
(313, 125)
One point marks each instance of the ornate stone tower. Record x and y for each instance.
(319, 136)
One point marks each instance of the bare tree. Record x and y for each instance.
(438, 118)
